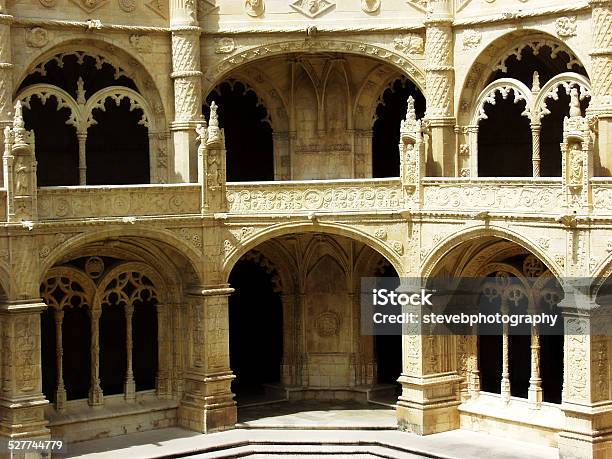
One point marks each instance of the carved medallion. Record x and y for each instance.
(566, 27)
(90, 5)
(370, 6)
(94, 267)
(409, 44)
(127, 5)
(312, 8)
(327, 324)
(254, 8)
(225, 45)
(37, 37)
(142, 43)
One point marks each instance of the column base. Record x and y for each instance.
(587, 433)
(429, 404)
(208, 404)
(24, 419)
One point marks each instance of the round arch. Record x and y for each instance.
(289, 228)
(456, 239)
(190, 254)
(495, 54)
(220, 70)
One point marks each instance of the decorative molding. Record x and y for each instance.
(370, 6)
(410, 44)
(225, 45)
(89, 6)
(566, 26)
(126, 5)
(471, 39)
(159, 7)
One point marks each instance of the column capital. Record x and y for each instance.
(22, 306)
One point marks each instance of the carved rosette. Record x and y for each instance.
(439, 69)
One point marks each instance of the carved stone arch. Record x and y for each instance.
(490, 231)
(600, 274)
(224, 67)
(291, 228)
(117, 94)
(499, 251)
(502, 86)
(369, 94)
(46, 91)
(74, 274)
(72, 245)
(494, 56)
(268, 94)
(158, 283)
(550, 90)
(493, 267)
(284, 262)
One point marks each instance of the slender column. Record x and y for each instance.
(440, 75)
(6, 72)
(96, 397)
(505, 377)
(535, 148)
(82, 137)
(165, 352)
(535, 381)
(60, 393)
(130, 385)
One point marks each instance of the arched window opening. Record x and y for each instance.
(117, 146)
(504, 140)
(113, 353)
(98, 139)
(256, 329)
(145, 351)
(248, 132)
(535, 57)
(391, 110)
(76, 344)
(56, 144)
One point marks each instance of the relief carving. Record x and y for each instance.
(312, 8)
(566, 26)
(37, 37)
(370, 6)
(254, 8)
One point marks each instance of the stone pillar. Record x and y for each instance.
(164, 363)
(96, 397)
(208, 403)
(586, 380)
(430, 394)
(6, 71)
(440, 76)
(22, 402)
(601, 80)
(211, 159)
(129, 387)
(187, 74)
(282, 169)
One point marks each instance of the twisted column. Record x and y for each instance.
(439, 77)
(187, 74)
(6, 71)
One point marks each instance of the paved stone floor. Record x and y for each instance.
(317, 429)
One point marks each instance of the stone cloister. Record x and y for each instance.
(194, 189)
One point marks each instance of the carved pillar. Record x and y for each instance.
(60, 393)
(165, 352)
(440, 76)
(6, 71)
(21, 400)
(601, 80)
(82, 138)
(96, 397)
(505, 376)
(430, 395)
(586, 398)
(187, 74)
(130, 385)
(20, 170)
(208, 404)
(212, 165)
(535, 381)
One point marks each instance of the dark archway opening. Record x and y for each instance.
(113, 353)
(490, 363)
(117, 146)
(76, 334)
(248, 133)
(145, 351)
(390, 111)
(504, 140)
(388, 348)
(256, 331)
(56, 145)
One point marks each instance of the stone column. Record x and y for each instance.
(22, 402)
(208, 403)
(601, 80)
(6, 71)
(130, 385)
(586, 399)
(440, 81)
(430, 394)
(187, 74)
(60, 393)
(96, 397)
